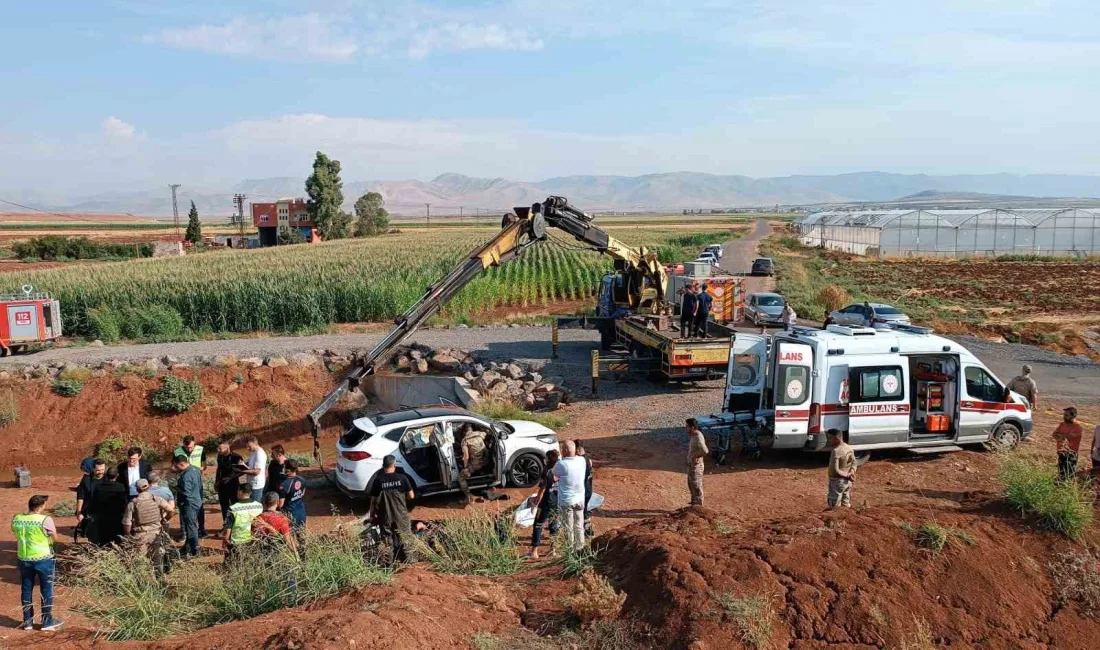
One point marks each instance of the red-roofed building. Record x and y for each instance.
(285, 214)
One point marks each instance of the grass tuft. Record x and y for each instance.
(753, 616)
(9, 409)
(67, 387)
(65, 508)
(481, 544)
(1033, 488)
(594, 599)
(504, 410)
(935, 537)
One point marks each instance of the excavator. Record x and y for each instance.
(637, 287)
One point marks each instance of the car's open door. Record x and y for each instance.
(444, 445)
(745, 373)
(794, 363)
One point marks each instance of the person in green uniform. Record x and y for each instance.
(238, 524)
(197, 457)
(35, 535)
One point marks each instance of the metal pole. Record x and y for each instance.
(554, 339)
(595, 372)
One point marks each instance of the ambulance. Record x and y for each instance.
(894, 387)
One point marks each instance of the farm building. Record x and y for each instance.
(955, 233)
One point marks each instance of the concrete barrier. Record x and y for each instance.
(392, 392)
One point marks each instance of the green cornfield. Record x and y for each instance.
(296, 288)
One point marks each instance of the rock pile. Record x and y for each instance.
(509, 381)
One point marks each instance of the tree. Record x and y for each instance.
(326, 194)
(291, 236)
(194, 228)
(371, 218)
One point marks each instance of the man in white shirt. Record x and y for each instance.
(257, 468)
(570, 474)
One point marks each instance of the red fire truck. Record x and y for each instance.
(28, 318)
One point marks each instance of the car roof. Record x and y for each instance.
(420, 413)
(880, 341)
(873, 304)
(765, 293)
(763, 259)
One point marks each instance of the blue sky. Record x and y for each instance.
(129, 94)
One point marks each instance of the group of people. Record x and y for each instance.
(129, 504)
(695, 303)
(563, 501)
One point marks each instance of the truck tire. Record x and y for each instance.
(1005, 437)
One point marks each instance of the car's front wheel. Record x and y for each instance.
(526, 470)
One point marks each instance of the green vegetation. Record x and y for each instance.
(303, 460)
(177, 394)
(9, 409)
(65, 508)
(1033, 487)
(575, 561)
(599, 635)
(112, 449)
(326, 194)
(67, 387)
(371, 218)
(935, 537)
(194, 226)
(59, 248)
(753, 617)
(504, 410)
(480, 544)
(120, 591)
(151, 323)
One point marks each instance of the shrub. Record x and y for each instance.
(833, 297)
(111, 449)
(934, 537)
(480, 544)
(118, 589)
(1033, 488)
(505, 410)
(67, 387)
(65, 508)
(1076, 577)
(103, 324)
(176, 394)
(79, 374)
(303, 460)
(753, 617)
(575, 561)
(9, 409)
(594, 599)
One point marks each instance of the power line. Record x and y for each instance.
(239, 200)
(56, 214)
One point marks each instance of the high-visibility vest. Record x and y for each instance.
(243, 514)
(30, 533)
(195, 457)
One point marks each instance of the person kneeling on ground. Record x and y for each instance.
(238, 525)
(842, 470)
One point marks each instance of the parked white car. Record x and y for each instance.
(868, 315)
(707, 257)
(424, 442)
(716, 249)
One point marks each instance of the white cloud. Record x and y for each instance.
(471, 37)
(117, 129)
(309, 36)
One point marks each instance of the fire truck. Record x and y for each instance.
(26, 318)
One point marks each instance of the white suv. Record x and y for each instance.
(424, 442)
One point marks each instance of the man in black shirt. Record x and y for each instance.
(85, 491)
(227, 478)
(388, 499)
(702, 312)
(107, 506)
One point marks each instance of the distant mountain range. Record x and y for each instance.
(450, 193)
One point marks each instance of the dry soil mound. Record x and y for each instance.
(845, 580)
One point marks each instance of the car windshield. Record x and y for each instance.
(769, 301)
(354, 436)
(885, 310)
(764, 262)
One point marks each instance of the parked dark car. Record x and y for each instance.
(763, 266)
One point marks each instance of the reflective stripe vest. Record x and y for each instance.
(243, 514)
(195, 457)
(30, 534)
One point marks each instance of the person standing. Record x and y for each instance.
(257, 468)
(688, 304)
(144, 517)
(474, 458)
(292, 496)
(276, 469)
(1096, 451)
(1067, 435)
(227, 477)
(842, 470)
(237, 530)
(545, 504)
(135, 467)
(106, 509)
(702, 313)
(579, 444)
(189, 501)
(85, 490)
(697, 451)
(788, 316)
(196, 455)
(569, 471)
(35, 537)
(389, 497)
(1026, 386)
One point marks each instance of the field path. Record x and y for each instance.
(740, 253)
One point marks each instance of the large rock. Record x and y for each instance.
(276, 362)
(252, 362)
(487, 380)
(550, 383)
(533, 376)
(416, 355)
(512, 371)
(152, 365)
(499, 389)
(478, 369)
(169, 360)
(550, 402)
(421, 366)
(527, 401)
(97, 343)
(528, 386)
(303, 360)
(444, 362)
(402, 363)
(225, 360)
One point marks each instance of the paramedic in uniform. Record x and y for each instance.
(1026, 386)
(842, 471)
(473, 458)
(697, 451)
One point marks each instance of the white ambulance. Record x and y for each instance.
(892, 387)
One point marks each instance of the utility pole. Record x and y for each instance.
(460, 213)
(175, 208)
(428, 212)
(239, 200)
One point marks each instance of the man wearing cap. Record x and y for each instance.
(1026, 386)
(388, 504)
(35, 535)
(144, 517)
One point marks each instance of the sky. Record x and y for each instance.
(117, 95)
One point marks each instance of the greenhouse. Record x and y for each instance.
(955, 233)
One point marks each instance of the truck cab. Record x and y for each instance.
(896, 387)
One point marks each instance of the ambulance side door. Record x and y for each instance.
(745, 372)
(878, 403)
(792, 381)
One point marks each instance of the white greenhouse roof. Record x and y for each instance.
(1029, 217)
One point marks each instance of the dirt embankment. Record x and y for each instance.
(851, 579)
